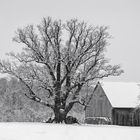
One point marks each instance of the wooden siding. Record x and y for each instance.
(99, 105)
(125, 116)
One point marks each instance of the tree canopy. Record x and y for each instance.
(60, 59)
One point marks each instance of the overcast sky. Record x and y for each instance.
(122, 16)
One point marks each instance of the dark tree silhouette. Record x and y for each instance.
(60, 58)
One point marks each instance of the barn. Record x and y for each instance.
(114, 103)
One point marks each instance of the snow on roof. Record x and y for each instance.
(122, 94)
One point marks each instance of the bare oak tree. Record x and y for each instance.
(60, 58)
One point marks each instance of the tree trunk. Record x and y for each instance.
(60, 115)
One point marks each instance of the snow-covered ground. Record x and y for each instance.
(37, 131)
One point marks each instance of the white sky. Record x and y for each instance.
(123, 17)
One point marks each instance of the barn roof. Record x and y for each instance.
(122, 94)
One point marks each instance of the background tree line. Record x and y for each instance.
(15, 107)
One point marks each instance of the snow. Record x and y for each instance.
(122, 94)
(38, 131)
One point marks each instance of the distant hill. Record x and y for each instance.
(15, 107)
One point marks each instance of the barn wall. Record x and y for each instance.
(99, 105)
(125, 116)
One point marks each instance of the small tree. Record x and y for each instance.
(60, 59)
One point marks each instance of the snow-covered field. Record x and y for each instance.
(37, 131)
